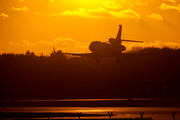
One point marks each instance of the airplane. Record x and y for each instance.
(112, 48)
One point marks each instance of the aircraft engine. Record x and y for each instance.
(94, 45)
(99, 47)
(112, 40)
(122, 48)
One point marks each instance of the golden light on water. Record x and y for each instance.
(121, 112)
(93, 111)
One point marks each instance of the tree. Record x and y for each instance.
(28, 53)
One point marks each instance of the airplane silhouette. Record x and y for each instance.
(112, 48)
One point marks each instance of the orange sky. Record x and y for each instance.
(70, 25)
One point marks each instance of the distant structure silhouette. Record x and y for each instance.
(110, 115)
(141, 113)
(173, 114)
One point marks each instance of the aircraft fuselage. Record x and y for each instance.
(106, 48)
(112, 48)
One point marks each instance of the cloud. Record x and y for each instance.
(125, 14)
(24, 43)
(155, 16)
(111, 5)
(37, 13)
(158, 44)
(172, 1)
(27, 43)
(135, 2)
(101, 13)
(64, 44)
(3, 15)
(16, 9)
(64, 41)
(80, 12)
(67, 45)
(92, 13)
(13, 43)
(138, 2)
(24, 9)
(170, 7)
(45, 43)
(110, 9)
(61, 40)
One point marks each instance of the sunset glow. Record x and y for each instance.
(71, 25)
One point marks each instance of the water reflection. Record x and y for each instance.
(157, 113)
(69, 100)
(81, 100)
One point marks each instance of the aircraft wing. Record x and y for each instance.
(108, 55)
(83, 54)
(134, 54)
(123, 55)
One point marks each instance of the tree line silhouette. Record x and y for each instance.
(27, 76)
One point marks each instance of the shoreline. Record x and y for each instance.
(128, 103)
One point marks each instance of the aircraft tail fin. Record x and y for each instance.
(132, 41)
(54, 50)
(118, 37)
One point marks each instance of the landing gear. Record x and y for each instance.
(118, 60)
(97, 60)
